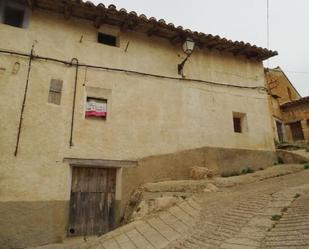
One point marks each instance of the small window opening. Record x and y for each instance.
(107, 39)
(55, 90)
(96, 108)
(237, 125)
(239, 122)
(13, 16)
(308, 122)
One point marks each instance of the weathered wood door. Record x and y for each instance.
(297, 131)
(92, 201)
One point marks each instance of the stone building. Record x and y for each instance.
(296, 117)
(290, 111)
(96, 101)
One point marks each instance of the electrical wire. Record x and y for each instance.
(69, 63)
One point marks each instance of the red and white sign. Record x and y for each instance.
(96, 108)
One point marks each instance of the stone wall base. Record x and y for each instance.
(25, 224)
(177, 166)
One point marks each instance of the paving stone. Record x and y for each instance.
(243, 241)
(110, 244)
(124, 242)
(236, 246)
(139, 241)
(165, 230)
(188, 209)
(153, 236)
(283, 243)
(174, 222)
(194, 204)
(181, 215)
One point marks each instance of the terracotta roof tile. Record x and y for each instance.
(88, 10)
(298, 102)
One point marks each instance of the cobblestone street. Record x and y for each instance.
(269, 213)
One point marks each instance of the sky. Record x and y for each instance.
(242, 20)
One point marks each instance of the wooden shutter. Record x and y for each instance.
(55, 90)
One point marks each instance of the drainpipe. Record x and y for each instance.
(74, 62)
(21, 118)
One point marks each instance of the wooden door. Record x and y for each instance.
(297, 131)
(92, 201)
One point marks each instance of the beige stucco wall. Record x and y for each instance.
(147, 116)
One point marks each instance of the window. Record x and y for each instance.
(297, 131)
(239, 122)
(13, 16)
(107, 39)
(308, 122)
(55, 89)
(96, 108)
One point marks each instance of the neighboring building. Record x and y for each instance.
(289, 110)
(79, 135)
(296, 117)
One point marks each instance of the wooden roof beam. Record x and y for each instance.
(225, 47)
(235, 51)
(99, 20)
(128, 24)
(200, 44)
(230, 48)
(152, 30)
(249, 53)
(176, 39)
(68, 9)
(216, 45)
(32, 4)
(252, 54)
(262, 57)
(212, 44)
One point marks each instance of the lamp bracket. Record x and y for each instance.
(182, 64)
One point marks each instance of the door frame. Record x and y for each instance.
(282, 124)
(118, 165)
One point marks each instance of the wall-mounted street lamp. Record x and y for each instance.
(188, 48)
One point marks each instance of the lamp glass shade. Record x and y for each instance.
(188, 46)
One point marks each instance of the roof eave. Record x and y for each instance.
(100, 14)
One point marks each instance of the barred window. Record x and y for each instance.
(107, 39)
(237, 125)
(239, 122)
